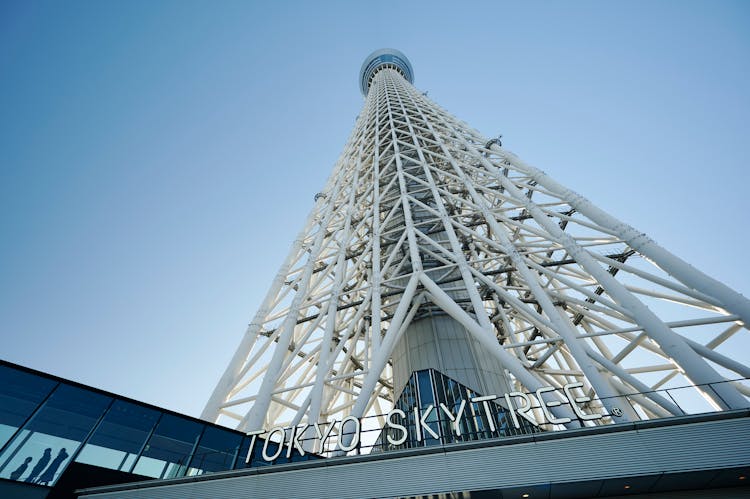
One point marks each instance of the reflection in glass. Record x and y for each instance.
(168, 450)
(256, 457)
(51, 470)
(20, 394)
(45, 423)
(216, 451)
(120, 437)
(52, 435)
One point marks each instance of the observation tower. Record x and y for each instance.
(437, 269)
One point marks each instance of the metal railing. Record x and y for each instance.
(367, 436)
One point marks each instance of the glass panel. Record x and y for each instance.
(20, 394)
(426, 399)
(406, 403)
(215, 452)
(425, 389)
(41, 450)
(119, 438)
(243, 454)
(432, 387)
(167, 452)
(297, 457)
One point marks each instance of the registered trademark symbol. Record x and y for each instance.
(616, 411)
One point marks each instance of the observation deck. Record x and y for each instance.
(381, 59)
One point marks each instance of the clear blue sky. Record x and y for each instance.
(158, 158)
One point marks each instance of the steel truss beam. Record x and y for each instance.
(420, 207)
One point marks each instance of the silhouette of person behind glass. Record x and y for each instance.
(49, 473)
(19, 471)
(40, 465)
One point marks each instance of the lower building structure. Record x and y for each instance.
(57, 436)
(62, 439)
(687, 457)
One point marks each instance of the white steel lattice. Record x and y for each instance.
(422, 213)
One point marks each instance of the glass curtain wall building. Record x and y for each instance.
(50, 426)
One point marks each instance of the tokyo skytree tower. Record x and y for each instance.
(433, 247)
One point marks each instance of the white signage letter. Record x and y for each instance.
(552, 403)
(486, 404)
(421, 422)
(579, 400)
(294, 441)
(396, 426)
(326, 434)
(522, 411)
(319, 435)
(254, 436)
(456, 420)
(355, 440)
(275, 429)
